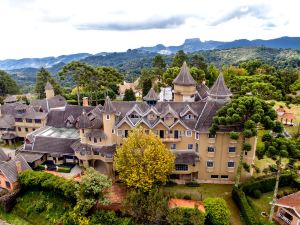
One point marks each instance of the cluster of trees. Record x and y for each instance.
(262, 80)
(7, 85)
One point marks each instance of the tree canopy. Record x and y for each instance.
(179, 59)
(8, 86)
(129, 95)
(42, 77)
(143, 161)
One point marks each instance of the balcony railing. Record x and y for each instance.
(170, 139)
(286, 220)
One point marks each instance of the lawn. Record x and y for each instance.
(263, 203)
(205, 191)
(37, 208)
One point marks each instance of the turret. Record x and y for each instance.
(151, 98)
(219, 90)
(49, 90)
(109, 113)
(184, 85)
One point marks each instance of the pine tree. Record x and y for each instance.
(129, 95)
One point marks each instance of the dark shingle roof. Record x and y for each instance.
(48, 86)
(3, 156)
(151, 96)
(184, 77)
(83, 121)
(47, 104)
(86, 149)
(9, 169)
(108, 107)
(219, 88)
(96, 134)
(10, 99)
(7, 121)
(202, 91)
(31, 157)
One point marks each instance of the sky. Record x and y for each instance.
(40, 28)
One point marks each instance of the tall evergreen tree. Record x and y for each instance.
(179, 59)
(42, 77)
(7, 84)
(146, 86)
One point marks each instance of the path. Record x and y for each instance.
(4, 223)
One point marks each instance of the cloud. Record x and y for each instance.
(163, 23)
(257, 11)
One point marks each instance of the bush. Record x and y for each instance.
(109, 218)
(40, 167)
(170, 183)
(64, 169)
(187, 197)
(45, 181)
(192, 184)
(185, 216)
(257, 193)
(234, 135)
(217, 211)
(247, 147)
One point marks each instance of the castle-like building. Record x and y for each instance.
(90, 135)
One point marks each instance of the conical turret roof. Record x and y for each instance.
(108, 107)
(184, 77)
(219, 88)
(48, 86)
(151, 96)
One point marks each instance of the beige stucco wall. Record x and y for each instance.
(30, 126)
(181, 91)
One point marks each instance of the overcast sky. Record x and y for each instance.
(39, 28)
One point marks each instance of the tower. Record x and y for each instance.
(151, 98)
(49, 90)
(219, 91)
(184, 86)
(109, 113)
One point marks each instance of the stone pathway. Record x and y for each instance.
(4, 223)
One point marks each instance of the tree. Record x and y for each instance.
(146, 86)
(198, 61)
(278, 148)
(143, 161)
(197, 74)
(179, 58)
(170, 75)
(146, 207)
(212, 74)
(186, 216)
(129, 95)
(159, 65)
(91, 190)
(80, 72)
(245, 112)
(42, 77)
(217, 211)
(7, 84)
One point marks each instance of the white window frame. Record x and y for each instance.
(211, 147)
(191, 145)
(232, 147)
(231, 161)
(188, 133)
(209, 161)
(197, 135)
(107, 117)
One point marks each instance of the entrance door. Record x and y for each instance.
(161, 133)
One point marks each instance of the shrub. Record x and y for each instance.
(187, 197)
(170, 183)
(109, 218)
(40, 167)
(246, 167)
(185, 216)
(63, 169)
(247, 147)
(234, 135)
(257, 193)
(192, 184)
(217, 211)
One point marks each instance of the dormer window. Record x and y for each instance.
(133, 115)
(189, 117)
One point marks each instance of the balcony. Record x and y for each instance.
(280, 218)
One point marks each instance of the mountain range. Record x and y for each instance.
(189, 45)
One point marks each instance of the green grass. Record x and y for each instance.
(206, 191)
(12, 218)
(263, 204)
(40, 208)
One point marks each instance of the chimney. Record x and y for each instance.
(19, 166)
(85, 101)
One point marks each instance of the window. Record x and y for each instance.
(126, 133)
(210, 149)
(182, 133)
(231, 149)
(26, 129)
(107, 117)
(119, 132)
(211, 135)
(7, 184)
(82, 130)
(189, 117)
(18, 119)
(95, 140)
(19, 129)
(189, 133)
(37, 121)
(246, 153)
(113, 131)
(231, 163)
(197, 135)
(190, 146)
(173, 146)
(224, 176)
(181, 167)
(214, 176)
(28, 120)
(210, 163)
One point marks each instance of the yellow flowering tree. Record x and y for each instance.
(143, 160)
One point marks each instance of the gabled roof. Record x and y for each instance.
(169, 109)
(151, 96)
(83, 121)
(136, 109)
(9, 169)
(219, 88)
(202, 90)
(184, 77)
(3, 156)
(108, 107)
(48, 86)
(187, 109)
(291, 201)
(10, 99)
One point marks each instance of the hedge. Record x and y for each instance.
(45, 181)
(64, 169)
(185, 216)
(266, 184)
